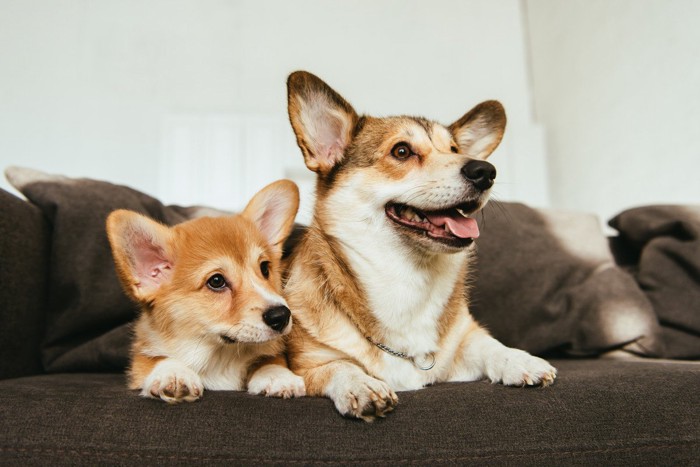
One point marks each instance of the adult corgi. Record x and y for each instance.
(377, 282)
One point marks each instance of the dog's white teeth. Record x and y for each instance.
(464, 214)
(411, 215)
(447, 229)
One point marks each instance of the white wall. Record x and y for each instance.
(617, 85)
(119, 89)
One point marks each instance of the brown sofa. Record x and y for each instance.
(65, 329)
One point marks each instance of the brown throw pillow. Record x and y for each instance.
(662, 244)
(87, 323)
(546, 280)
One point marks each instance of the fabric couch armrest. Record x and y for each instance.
(24, 258)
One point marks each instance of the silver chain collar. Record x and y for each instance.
(428, 362)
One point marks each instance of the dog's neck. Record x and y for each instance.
(406, 290)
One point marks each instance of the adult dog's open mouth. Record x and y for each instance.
(452, 226)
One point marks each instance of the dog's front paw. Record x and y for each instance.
(361, 396)
(514, 367)
(173, 382)
(276, 381)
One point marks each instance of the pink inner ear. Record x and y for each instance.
(328, 135)
(333, 152)
(150, 265)
(272, 219)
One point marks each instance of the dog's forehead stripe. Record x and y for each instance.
(425, 124)
(416, 128)
(442, 138)
(438, 135)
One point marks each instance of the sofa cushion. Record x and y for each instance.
(24, 255)
(88, 315)
(662, 245)
(598, 412)
(546, 279)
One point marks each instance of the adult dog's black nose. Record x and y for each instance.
(480, 173)
(277, 317)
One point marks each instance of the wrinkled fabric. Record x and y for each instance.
(88, 314)
(663, 250)
(546, 280)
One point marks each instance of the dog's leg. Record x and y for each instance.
(271, 377)
(482, 356)
(354, 393)
(172, 381)
(140, 367)
(328, 372)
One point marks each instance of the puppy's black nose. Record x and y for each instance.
(277, 317)
(480, 173)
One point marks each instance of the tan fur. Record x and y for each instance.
(140, 367)
(336, 283)
(327, 284)
(167, 270)
(456, 307)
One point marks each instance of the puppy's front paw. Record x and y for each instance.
(361, 396)
(173, 382)
(276, 381)
(514, 367)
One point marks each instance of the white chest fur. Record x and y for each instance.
(407, 295)
(220, 367)
(224, 370)
(408, 299)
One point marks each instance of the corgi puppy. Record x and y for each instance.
(213, 315)
(377, 282)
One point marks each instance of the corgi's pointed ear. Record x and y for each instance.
(322, 120)
(273, 210)
(142, 253)
(480, 130)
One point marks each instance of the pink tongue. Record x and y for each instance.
(462, 227)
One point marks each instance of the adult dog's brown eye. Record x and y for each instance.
(216, 282)
(401, 151)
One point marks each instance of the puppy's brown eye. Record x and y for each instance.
(454, 149)
(401, 151)
(265, 269)
(216, 282)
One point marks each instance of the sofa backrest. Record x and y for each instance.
(24, 259)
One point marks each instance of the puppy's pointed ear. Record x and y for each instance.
(272, 210)
(322, 121)
(480, 130)
(142, 253)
